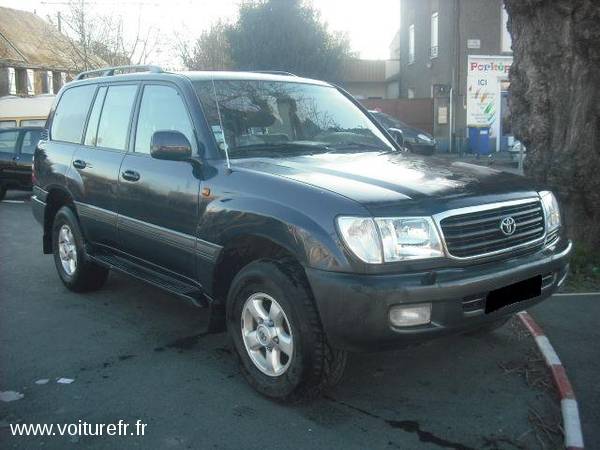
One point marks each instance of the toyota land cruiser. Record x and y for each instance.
(280, 204)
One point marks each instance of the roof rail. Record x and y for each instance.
(276, 72)
(110, 71)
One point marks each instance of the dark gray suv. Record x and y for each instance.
(279, 204)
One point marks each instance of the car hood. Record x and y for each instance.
(380, 181)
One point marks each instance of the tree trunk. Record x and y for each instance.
(555, 103)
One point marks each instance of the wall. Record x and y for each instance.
(365, 89)
(416, 112)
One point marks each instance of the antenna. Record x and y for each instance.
(225, 146)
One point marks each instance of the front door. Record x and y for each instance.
(158, 200)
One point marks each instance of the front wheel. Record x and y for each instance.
(277, 333)
(2, 192)
(75, 270)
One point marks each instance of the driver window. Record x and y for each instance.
(161, 109)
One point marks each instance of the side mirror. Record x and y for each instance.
(398, 136)
(170, 145)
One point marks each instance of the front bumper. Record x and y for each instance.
(354, 308)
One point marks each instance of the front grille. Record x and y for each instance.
(478, 233)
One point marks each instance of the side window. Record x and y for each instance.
(30, 140)
(71, 112)
(162, 108)
(92, 127)
(8, 141)
(114, 120)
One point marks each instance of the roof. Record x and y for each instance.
(363, 70)
(27, 40)
(258, 76)
(13, 106)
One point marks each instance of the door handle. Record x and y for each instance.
(130, 175)
(79, 164)
(16, 158)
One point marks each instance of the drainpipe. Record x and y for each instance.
(450, 117)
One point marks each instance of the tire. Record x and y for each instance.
(313, 365)
(489, 327)
(2, 192)
(82, 275)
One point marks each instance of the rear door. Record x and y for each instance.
(158, 200)
(95, 164)
(8, 153)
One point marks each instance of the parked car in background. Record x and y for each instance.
(16, 151)
(415, 140)
(281, 205)
(25, 111)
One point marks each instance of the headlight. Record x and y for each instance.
(409, 238)
(397, 239)
(361, 237)
(550, 210)
(424, 137)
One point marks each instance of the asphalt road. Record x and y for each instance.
(136, 353)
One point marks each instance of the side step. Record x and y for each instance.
(169, 283)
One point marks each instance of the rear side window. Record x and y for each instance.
(114, 120)
(71, 112)
(30, 140)
(8, 141)
(8, 123)
(162, 108)
(92, 128)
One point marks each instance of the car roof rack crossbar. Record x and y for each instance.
(110, 71)
(276, 72)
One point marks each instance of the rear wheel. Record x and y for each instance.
(75, 270)
(277, 334)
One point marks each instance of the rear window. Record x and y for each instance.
(71, 112)
(8, 123)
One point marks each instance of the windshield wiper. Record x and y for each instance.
(269, 149)
(354, 145)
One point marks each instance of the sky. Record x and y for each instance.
(369, 24)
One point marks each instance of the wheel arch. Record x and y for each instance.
(56, 198)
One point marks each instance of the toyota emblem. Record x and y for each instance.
(508, 226)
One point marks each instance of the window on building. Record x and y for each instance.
(161, 109)
(410, 93)
(71, 112)
(12, 81)
(47, 83)
(30, 81)
(411, 44)
(116, 113)
(506, 38)
(433, 52)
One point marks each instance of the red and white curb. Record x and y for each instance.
(568, 403)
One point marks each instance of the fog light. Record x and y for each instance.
(407, 316)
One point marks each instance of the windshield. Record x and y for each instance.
(388, 121)
(276, 119)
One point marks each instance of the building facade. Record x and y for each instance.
(457, 52)
(34, 57)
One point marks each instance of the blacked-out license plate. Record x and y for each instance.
(513, 293)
